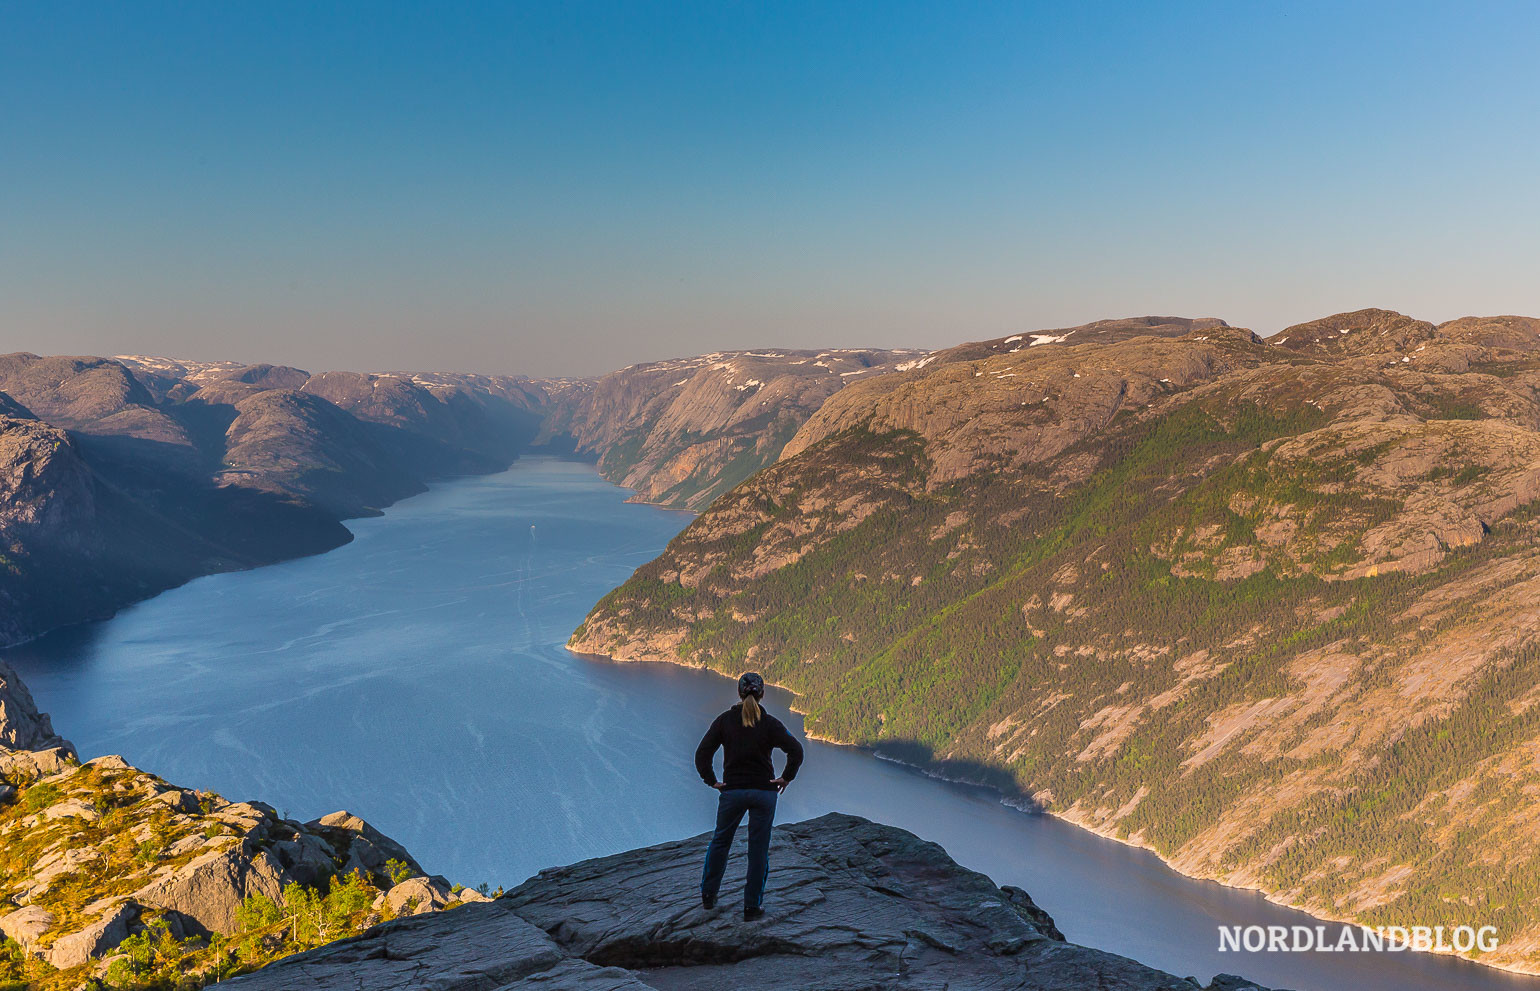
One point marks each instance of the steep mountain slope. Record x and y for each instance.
(1265, 607)
(103, 404)
(82, 532)
(415, 424)
(682, 432)
(299, 444)
(396, 430)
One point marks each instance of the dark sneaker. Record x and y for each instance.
(750, 914)
(708, 901)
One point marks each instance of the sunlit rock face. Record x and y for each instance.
(681, 432)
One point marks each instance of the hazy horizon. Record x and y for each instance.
(356, 366)
(569, 189)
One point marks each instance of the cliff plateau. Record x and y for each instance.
(852, 906)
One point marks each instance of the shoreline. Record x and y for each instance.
(147, 594)
(1517, 970)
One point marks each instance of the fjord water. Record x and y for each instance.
(417, 677)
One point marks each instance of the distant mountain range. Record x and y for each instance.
(1268, 607)
(683, 432)
(120, 477)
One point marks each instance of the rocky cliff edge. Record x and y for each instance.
(851, 905)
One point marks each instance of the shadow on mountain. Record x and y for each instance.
(962, 771)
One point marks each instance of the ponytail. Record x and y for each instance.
(751, 688)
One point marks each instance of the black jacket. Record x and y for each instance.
(746, 750)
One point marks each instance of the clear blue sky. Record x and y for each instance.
(568, 187)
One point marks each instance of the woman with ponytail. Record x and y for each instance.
(747, 734)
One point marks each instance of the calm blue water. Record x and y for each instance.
(417, 677)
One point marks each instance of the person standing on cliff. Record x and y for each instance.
(747, 734)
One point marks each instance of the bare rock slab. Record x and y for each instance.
(485, 947)
(208, 891)
(851, 905)
(95, 940)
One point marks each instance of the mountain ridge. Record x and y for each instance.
(682, 431)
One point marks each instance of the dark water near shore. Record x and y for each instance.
(417, 678)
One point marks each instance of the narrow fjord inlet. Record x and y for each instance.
(417, 677)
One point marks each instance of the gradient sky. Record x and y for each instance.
(565, 188)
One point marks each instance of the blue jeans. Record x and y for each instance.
(760, 805)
